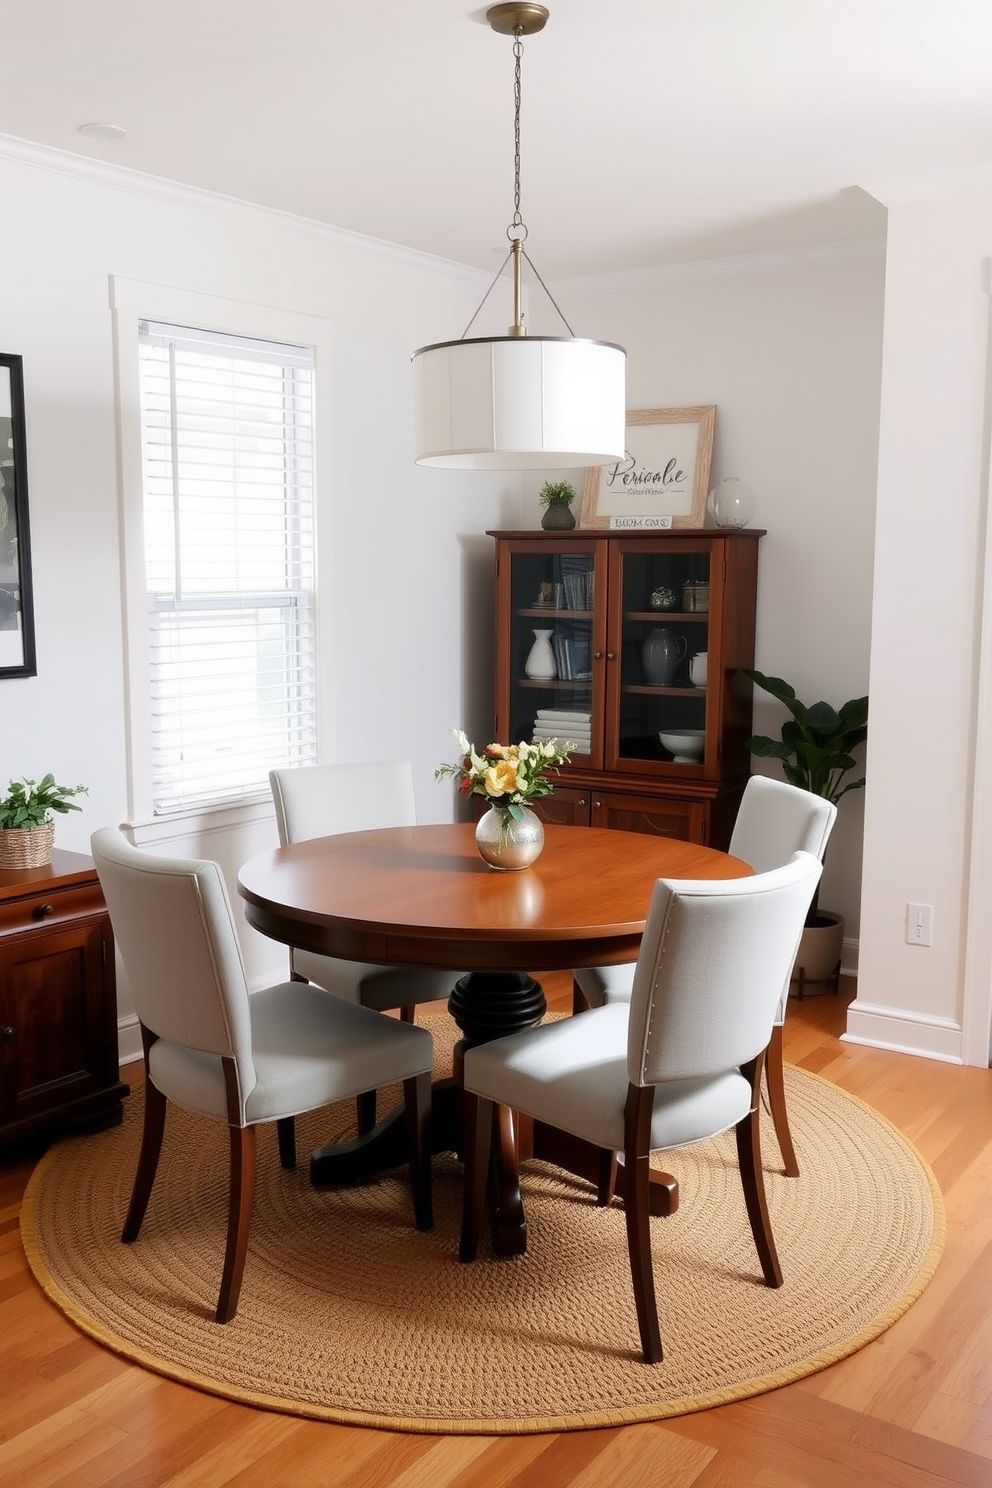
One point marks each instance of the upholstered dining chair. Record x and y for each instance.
(236, 1058)
(774, 821)
(678, 1065)
(320, 801)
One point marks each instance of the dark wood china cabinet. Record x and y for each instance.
(632, 645)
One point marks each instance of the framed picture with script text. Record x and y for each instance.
(663, 479)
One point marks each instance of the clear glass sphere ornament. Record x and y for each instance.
(731, 503)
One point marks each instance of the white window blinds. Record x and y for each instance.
(227, 471)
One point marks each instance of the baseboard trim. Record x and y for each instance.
(129, 1039)
(904, 1033)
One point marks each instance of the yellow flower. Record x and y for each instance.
(501, 778)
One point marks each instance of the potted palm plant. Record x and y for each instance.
(27, 826)
(815, 749)
(556, 497)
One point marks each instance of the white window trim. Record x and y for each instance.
(131, 301)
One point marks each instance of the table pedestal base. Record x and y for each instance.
(485, 1005)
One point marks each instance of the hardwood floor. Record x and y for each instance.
(912, 1409)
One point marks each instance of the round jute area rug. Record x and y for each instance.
(349, 1314)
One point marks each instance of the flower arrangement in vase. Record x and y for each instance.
(507, 777)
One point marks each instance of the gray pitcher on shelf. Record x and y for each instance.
(661, 655)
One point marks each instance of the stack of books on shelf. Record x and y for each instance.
(577, 580)
(566, 726)
(572, 654)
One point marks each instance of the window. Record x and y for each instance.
(227, 486)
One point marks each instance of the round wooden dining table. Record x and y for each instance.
(422, 897)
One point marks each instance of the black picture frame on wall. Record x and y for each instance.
(17, 654)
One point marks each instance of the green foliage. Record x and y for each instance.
(816, 743)
(30, 803)
(556, 493)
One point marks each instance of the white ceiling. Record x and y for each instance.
(652, 131)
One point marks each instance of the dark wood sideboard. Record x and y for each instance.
(58, 1001)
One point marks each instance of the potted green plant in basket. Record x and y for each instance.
(815, 750)
(556, 497)
(27, 826)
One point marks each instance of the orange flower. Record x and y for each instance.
(501, 778)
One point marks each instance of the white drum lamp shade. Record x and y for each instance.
(519, 403)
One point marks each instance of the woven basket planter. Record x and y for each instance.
(27, 847)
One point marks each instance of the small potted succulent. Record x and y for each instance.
(815, 750)
(556, 497)
(27, 826)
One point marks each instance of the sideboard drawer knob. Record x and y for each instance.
(6, 1034)
(42, 911)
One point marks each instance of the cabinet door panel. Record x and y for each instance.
(684, 820)
(549, 676)
(51, 1001)
(662, 621)
(565, 808)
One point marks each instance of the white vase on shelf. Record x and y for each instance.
(540, 664)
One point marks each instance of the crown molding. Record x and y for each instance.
(196, 198)
(176, 193)
(894, 191)
(732, 265)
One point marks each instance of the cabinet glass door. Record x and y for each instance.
(550, 683)
(664, 627)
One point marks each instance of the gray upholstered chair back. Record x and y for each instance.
(709, 976)
(174, 927)
(776, 820)
(321, 800)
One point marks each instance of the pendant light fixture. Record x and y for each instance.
(518, 402)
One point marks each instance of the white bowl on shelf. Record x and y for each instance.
(687, 745)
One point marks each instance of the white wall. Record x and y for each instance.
(405, 571)
(927, 833)
(788, 347)
(789, 350)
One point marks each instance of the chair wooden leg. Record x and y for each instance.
(477, 1127)
(365, 1111)
(580, 1003)
(417, 1100)
(238, 1219)
(636, 1164)
(408, 1014)
(286, 1136)
(775, 1080)
(606, 1185)
(753, 1180)
(151, 1145)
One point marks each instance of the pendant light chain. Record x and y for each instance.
(518, 51)
(517, 230)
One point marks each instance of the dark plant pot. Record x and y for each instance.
(817, 967)
(557, 517)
